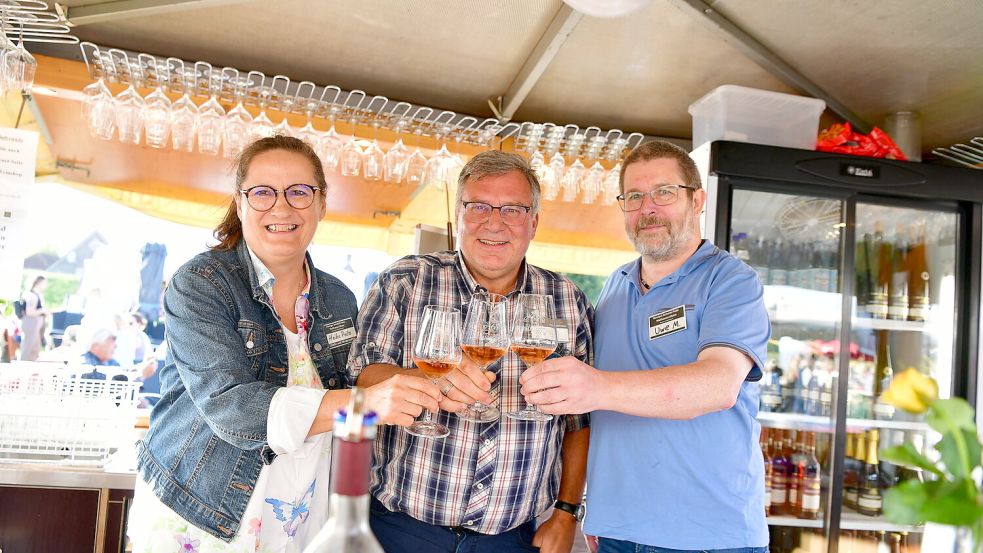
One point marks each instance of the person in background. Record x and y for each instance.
(133, 344)
(482, 487)
(237, 455)
(102, 346)
(67, 351)
(33, 322)
(682, 333)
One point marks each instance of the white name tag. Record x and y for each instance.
(542, 333)
(340, 333)
(667, 322)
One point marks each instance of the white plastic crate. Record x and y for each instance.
(742, 114)
(49, 415)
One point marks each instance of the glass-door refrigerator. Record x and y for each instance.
(869, 267)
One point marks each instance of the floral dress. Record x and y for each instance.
(289, 503)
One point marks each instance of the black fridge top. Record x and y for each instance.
(861, 174)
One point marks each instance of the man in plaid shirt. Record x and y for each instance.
(483, 486)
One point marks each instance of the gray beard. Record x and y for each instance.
(667, 249)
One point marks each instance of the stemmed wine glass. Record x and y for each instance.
(485, 341)
(533, 340)
(211, 120)
(237, 122)
(184, 115)
(437, 351)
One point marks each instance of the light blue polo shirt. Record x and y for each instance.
(688, 484)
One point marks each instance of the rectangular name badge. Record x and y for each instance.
(340, 333)
(667, 322)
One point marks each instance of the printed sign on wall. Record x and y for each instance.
(18, 152)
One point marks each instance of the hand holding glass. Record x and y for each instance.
(533, 340)
(437, 351)
(485, 341)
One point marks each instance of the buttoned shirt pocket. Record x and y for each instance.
(255, 344)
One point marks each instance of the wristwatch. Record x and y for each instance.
(575, 509)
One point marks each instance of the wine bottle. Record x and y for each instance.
(863, 272)
(792, 475)
(347, 529)
(882, 376)
(918, 278)
(852, 471)
(869, 499)
(897, 302)
(779, 475)
(809, 480)
(880, 271)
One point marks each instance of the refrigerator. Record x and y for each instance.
(869, 267)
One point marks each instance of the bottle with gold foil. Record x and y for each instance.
(879, 261)
(853, 470)
(869, 500)
(883, 373)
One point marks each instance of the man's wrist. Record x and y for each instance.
(572, 511)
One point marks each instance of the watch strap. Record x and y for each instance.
(575, 509)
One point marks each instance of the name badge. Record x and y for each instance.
(667, 322)
(340, 333)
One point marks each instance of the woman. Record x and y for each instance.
(237, 456)
(32, 325)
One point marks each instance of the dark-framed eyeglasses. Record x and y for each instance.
(263, 197)
(665, 194)
(479, 212)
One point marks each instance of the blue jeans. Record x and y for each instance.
(608, 545)
(401, 533)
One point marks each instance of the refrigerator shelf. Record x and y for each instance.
(887, 324)
(794, 305)
(849, 521)
(795, 421)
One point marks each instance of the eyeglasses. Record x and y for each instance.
(479, 212)
(263, 197)
(663, 195)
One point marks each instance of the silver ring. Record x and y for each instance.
(445, 390)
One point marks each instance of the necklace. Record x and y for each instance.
(642, 279)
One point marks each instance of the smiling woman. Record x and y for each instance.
(255, 373)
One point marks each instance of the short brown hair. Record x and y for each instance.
(229, 231)
(497, 162)
(660, 149)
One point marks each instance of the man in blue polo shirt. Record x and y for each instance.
(681, 336)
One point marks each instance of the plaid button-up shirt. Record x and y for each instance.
(487, 477)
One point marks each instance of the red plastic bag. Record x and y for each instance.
(841, 139)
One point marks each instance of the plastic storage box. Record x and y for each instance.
(742, 114)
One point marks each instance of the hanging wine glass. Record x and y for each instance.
(544, 173)
(156, 110)
(593, 179)
(97, 110)
(570, 184)
(211, 120)
(184, 117)
(557, 166)
(438, 170)
(351, 154)
(283, 127)
(262, 125)
(19, 68)
(612, 185)
(308, 133)
(416, 164)
(128, 106)
(397, 156)
(237, 123)
(329, 145)
(5, 46)
(373, 158)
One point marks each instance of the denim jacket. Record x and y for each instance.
(227, 357)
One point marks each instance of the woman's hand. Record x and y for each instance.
(401, 398)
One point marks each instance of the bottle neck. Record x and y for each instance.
(349, 512)
(350, 466)
(872, 451)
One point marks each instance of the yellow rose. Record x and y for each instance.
(912, 391)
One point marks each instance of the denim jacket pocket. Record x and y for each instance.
(254, 341)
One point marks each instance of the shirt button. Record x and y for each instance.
(487, 441)
(317, 347)
(480, 486)
(332, 382)
(469, 523)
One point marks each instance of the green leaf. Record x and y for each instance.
(904, 503)
(953, 503)
(952, 456)
(906, 455)
(946, 414)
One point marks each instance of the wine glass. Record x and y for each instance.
(211, 122)
(373, 158)
(351, 154)
(184, 116)
(128, 106)
(437, 351)
(416, 164)
(485, 341)
(237, 122)
(97, 110)
(533, 340)
(329, 145)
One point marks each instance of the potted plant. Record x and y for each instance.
(951, 495)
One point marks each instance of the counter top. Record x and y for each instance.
(118, 474)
